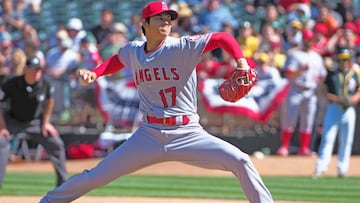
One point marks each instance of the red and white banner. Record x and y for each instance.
(118, 101)
(263, 99)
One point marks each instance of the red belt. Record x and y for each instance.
(169, 121)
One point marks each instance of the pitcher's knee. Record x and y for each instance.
(242, 158)
(236, 162)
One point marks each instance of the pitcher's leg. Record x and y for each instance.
(139, 151)
(204, 150)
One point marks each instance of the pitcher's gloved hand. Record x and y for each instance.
(238, 85)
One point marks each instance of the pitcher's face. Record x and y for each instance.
(159, 25)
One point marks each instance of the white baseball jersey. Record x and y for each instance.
(309, 78)
(152, 72)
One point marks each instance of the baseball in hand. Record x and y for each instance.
(84, 77)
(83, 82)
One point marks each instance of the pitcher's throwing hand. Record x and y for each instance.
(85, 76)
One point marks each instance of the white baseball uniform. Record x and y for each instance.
(302, 98)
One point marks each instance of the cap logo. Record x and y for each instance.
(156, 8)
(164, 6)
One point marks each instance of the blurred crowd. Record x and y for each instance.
(269, 31)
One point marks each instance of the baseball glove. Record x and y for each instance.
(238, 85)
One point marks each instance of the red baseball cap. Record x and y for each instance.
(321, 28)
(307, 34)
(351, 26)
(155, 8)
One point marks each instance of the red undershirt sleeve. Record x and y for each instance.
(110, 66)
(225, 41)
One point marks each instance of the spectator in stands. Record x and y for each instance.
(273, 18)
(288, 6)
(89, 54)
(29, 112)
(292, 36)
(116, 38)
(268, 36)
(347, 10)
(32, 5)
(53, 40)
(14, 19)
(177, 30)
(60, 61)
(277, 55)
(325, 16)
(357, 60)
(343, 85)
(214, 15)
(248, 40)
(101, 30)
(31, 49)
(321, 39)
(276, 20)
(302, 13)
(135, 31)
(28, 32)
(12, 59)
(265, 70)
(187, 20)
(76, 32)
(263, 3)
(304, 77)
(345, 37)
(357, 23)
(314, 7)
(3, 26)
(89, 57)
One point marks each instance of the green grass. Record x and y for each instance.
(327, 189)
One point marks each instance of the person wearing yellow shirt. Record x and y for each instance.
(247, 40)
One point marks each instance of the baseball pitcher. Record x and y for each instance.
(163, 68)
